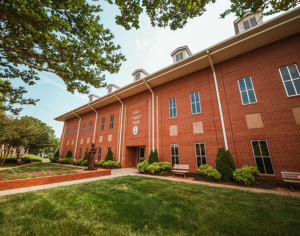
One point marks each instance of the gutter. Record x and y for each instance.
(95, 122)
(120, 141)
(62, 141)
(77, 133)
(219, 101)
(152, 113)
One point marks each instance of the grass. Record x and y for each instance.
(38, 167)
(136, 205)
(6, 165)
(31, 155)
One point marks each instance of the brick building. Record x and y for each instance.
(241, 94)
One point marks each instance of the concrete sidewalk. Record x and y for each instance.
(134, 172)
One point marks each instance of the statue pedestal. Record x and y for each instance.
(87, 169)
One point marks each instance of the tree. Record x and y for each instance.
(151, 157)
(109, 156)
(225, 164)
(56, 154)
(156, 159)
(69, 154)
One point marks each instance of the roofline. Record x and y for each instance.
(182, 48)
(237, 41)
(112, 85)
(246, 14)
(140, 70)
(93, 95)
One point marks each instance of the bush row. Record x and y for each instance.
(25, 159)
(154, 167)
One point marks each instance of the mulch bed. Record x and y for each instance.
(271, 184)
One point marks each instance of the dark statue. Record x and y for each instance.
(91, 161)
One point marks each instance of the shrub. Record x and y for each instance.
(143, 166)
(100, 163)
(78, 162)
(210, 172)
(57, 154)
(155, 156)
(11, 160)
(26, 159)
(86, 156)
(84, 162)
(246, 175)
(110, 164)
(54, 159)
(69, 154)
(151, 157)
(225, 164)
(159, 166)
(66, 160)
(109, 156)
(35, 159)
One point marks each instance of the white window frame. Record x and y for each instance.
(91, 99)
(249, 23)
(90, 127)
(102, 123)
(200, 154)
(258, 140)
(179, 56)
(292, 80)
(109, 90)
(244, 79)
(74, 132)
(172, 107)
(195, 102)
(83, 128)
(176, 156)
(70, 131)
(111, 122)
(137, 76)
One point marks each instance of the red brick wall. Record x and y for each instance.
(280, 128)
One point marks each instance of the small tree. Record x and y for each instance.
(56, 154)
(156, 159)
(86, 156)
(151, 157)
(69, 154)
(109, 156)
(225, 164)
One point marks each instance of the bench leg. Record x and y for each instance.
(173, 174)
(291, 187)
(185, 175)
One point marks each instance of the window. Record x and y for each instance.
(249, 23)
(291, 79)
(87, 150)
(262, 157)
(247, 91)
(70, 131)
(83, 128)
(99, 154)
(91, 99)
(74, 130)
(172, 108)
(195, 102)
(179, 57)
(66, 152)
(109, 90)
(90, 127)
(109, 148)
(79, 153)
(200, 154)
(137, 76)
(174, 154)
(111, 124)
(102, 123)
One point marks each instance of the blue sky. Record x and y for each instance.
(148, 48)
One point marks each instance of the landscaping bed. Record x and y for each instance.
(135, 205)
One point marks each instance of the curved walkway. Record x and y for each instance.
(132, 172)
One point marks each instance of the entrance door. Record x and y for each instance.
(141, 155)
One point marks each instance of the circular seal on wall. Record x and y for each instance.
(135, 130)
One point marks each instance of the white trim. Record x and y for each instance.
(291, 79)
(62, 141)
(174, 145)
(195, 103)
(200, 155)
(77, 134)
(247, 90)
(120, 140)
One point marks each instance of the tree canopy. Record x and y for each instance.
(66, 38)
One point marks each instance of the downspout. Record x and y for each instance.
(62, 142)
(120, 141)
(219, 101)
(95, 122)
(77, 133)
(152, 113)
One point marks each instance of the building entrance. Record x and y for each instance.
(141, 155)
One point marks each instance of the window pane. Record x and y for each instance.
(192, 97)
(297, 85)
(176, 150)
(197, 96)
(198, 161)
(171, 113)
(285, 74)
(248, 83)
(245, 98)
(181, 56)
(246, 25)
(242, 85)
(177, 57)
(251, 96)
(260, 165)
(197, 149)
(203, 160)
(198, 107)
(268, 165)
(174, 112)
(293, 71)
(253, 21)
(170, 103)
(264, 148)
(202, 150)
(173, 160)
(256, 148)
(289, 88)
(174, 102)
(172, 150)
(193, 108)
(177, 159)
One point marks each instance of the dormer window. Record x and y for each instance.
(109, 90)
(179, 57)
(137, 76)
(249, 23)
(91, 99)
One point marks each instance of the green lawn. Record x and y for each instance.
(38, 167)
(136, 205)
(7, 165)
(31, 155)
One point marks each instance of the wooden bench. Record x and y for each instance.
(20, 162)
(290, 178)
(180, 169)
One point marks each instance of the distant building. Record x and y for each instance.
(241, 94)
